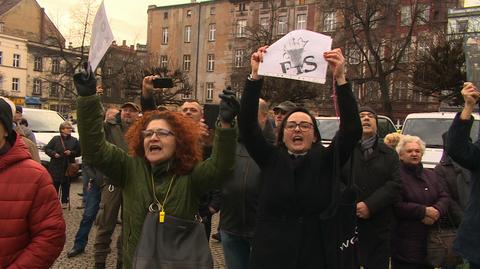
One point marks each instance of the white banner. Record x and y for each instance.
(298, 55)
(102, 37)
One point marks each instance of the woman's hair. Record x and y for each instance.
(188, 150)
(316, 132)
(64, 125)
(410, 139)
(392, 139)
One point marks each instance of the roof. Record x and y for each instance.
(6, 5)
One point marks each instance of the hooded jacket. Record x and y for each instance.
(32, 228)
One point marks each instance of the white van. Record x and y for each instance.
(44, 124)
(430, 127)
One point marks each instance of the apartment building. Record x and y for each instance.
(13, 68)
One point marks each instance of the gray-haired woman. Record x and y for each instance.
(62, 150)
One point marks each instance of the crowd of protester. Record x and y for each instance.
(274, 183)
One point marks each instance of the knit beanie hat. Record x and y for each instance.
(6, 117)
(367, 109)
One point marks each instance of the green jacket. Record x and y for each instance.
(134, 174)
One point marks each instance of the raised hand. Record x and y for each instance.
(336, 61)
(85, 82)
(229, 106)
(256, 59)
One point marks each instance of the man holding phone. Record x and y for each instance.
(467, 154)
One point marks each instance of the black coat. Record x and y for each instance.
(294, 192)
(378, 184)
(58, 166)
(467, 154)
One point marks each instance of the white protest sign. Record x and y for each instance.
(298, 55)
(102, 37)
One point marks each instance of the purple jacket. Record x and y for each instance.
(420, 189)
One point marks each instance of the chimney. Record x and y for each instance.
(124, 43)
(70, 45)
(114, 43)
(132, 47)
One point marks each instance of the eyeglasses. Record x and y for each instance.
(304, 126)
(160, 132)
(279, 111)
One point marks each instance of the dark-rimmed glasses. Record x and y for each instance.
(160, 132)
(279, 111)
(303, 126)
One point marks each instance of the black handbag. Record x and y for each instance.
(339, 229)
(168, 242)
(440, 251)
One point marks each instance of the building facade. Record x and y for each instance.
(13, 68)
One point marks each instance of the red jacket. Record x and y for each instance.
(32, 228)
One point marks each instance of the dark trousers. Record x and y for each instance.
(207, 222)
(236, 250)
(403, 265)
(106, 222)
(65, 185)
(92, 198)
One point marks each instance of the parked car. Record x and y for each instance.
(328, 127)
(430, 127)
(44, 124)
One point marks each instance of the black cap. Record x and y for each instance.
(286, 106)
(19, 108)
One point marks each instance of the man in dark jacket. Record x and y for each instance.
(240, 201)
(377, 179)
(467, 154)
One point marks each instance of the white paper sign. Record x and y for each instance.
(102, 37)
(298, 55)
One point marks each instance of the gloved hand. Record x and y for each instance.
(85, 82)
(229, 106)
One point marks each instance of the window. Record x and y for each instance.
(37, 63)
(1, 57)
(16, 60)
(37, 87)
(165, 35)
(211, 32)
(242, 7)
(301, 21)
(424, 14)
(165, 15)
(189, 13)
(462, 26)
(55, 66)
(54, 90)
(163, 61)
(241, 27)
(108, 92)
(186, 62)
(239, 54)
(15, 84)
(354, 55)
(210, 62)
(265, 23)
(329, 21)
(422, 47)
(209, 92)
(187, 37)
(68, 90)
(406, 55)
(405, 16)
(212, 11)
(282, 25)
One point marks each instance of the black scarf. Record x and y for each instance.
(367, 145)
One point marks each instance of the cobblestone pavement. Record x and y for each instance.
(86, 260)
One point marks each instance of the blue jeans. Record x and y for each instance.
(92, 204)
(236, 250)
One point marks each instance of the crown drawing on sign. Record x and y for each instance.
(294, 51)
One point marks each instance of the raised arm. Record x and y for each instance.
(458, 144)
(350, 130)
(250, 132)
(108, 158)
(147, 101)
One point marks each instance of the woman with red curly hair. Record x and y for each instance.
(163, 172)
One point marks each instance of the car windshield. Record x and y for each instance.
(43, 121)
(328, 128)
(431, 130)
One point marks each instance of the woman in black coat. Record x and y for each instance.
(62, 150)
(297, 174)
(423, 201)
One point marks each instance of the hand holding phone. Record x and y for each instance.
(159, 83)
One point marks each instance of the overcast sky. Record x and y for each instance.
(128, 19)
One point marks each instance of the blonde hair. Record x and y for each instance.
(392, 139)
(410, 139)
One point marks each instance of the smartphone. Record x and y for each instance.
(162, 83)
(210, 115)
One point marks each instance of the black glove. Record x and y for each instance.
(229, 106)
(85, 82)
